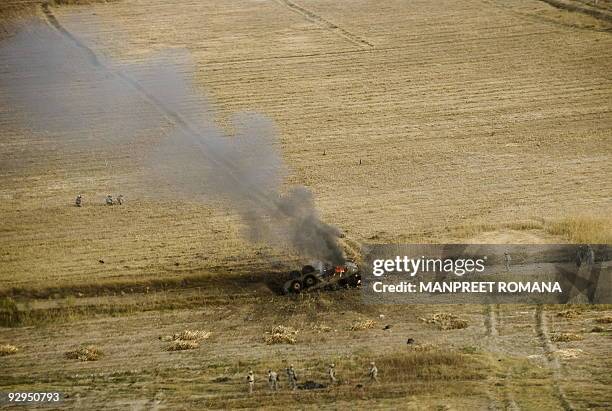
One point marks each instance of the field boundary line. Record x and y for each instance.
(326, 24)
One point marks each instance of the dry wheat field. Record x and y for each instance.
(481, 121)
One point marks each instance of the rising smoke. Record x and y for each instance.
(96, 104)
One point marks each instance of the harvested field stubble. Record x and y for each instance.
(361, 325)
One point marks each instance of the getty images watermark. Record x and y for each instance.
(479, 273)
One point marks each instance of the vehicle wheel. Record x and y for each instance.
(308, 269)
(354, 281)
(295, 274)
(309, 281)
(295, 287)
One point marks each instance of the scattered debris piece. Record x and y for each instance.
(386, 327)
(362, 325)
(85, 353)
(280, 335)
(566, 337)
(604, 320)
(446, 321)
(8, 349)
(410, 341)
(221, 379)
(101, 261)
(598, 329)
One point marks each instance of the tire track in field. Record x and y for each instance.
(600, 14)
(541, 328)
(491, 312)
(326, 24)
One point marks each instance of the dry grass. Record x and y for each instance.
(446, 321)
(569, 353)
(361, 325)
(85, 353)
(8, 349)
(582, 229)
(566, 337)
(280, 334)
(430, 364)
(181, 345)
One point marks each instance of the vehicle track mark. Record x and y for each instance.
(541, 328)
(326, 24)
(491, 312)
(591, 11)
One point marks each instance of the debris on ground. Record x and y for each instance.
(311, 385)
(280, 335)
(410, 341)
(569, 353)
(598, 329)
(181, 345)
(221, 379)
(8, 349)
(85, 353)
(604, 320)
(362, 325)
(569, 313)
(386, 327)
(566, 337)
(446, 321)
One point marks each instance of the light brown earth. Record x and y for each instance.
(480, 121)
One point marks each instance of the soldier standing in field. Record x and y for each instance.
(120, 199)
(373, 373)
(507, 260)
(79, 201)
(273, 380)
(250, 381)
(292, 377)
(331, 372)
(109, 200)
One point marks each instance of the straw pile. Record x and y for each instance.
(7, 349)
(85, 353)
(280, 335)
(362, 325)
(446, 321)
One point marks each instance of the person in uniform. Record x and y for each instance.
(250, 381)
(292, 377)
(109, 200)
(331, 372)
(273, 380)
(507, 260)
(79, 201)
(120, 199)
(373, 372)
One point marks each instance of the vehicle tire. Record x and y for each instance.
(295, 287)
(295, 274)
(309, 281)
(308, 269)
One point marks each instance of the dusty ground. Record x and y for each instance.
(463, 114)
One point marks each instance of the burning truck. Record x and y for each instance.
(324, 276)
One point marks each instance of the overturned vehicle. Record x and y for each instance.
(326, 276)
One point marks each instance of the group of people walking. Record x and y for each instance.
(292, 378)
(109, 200)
